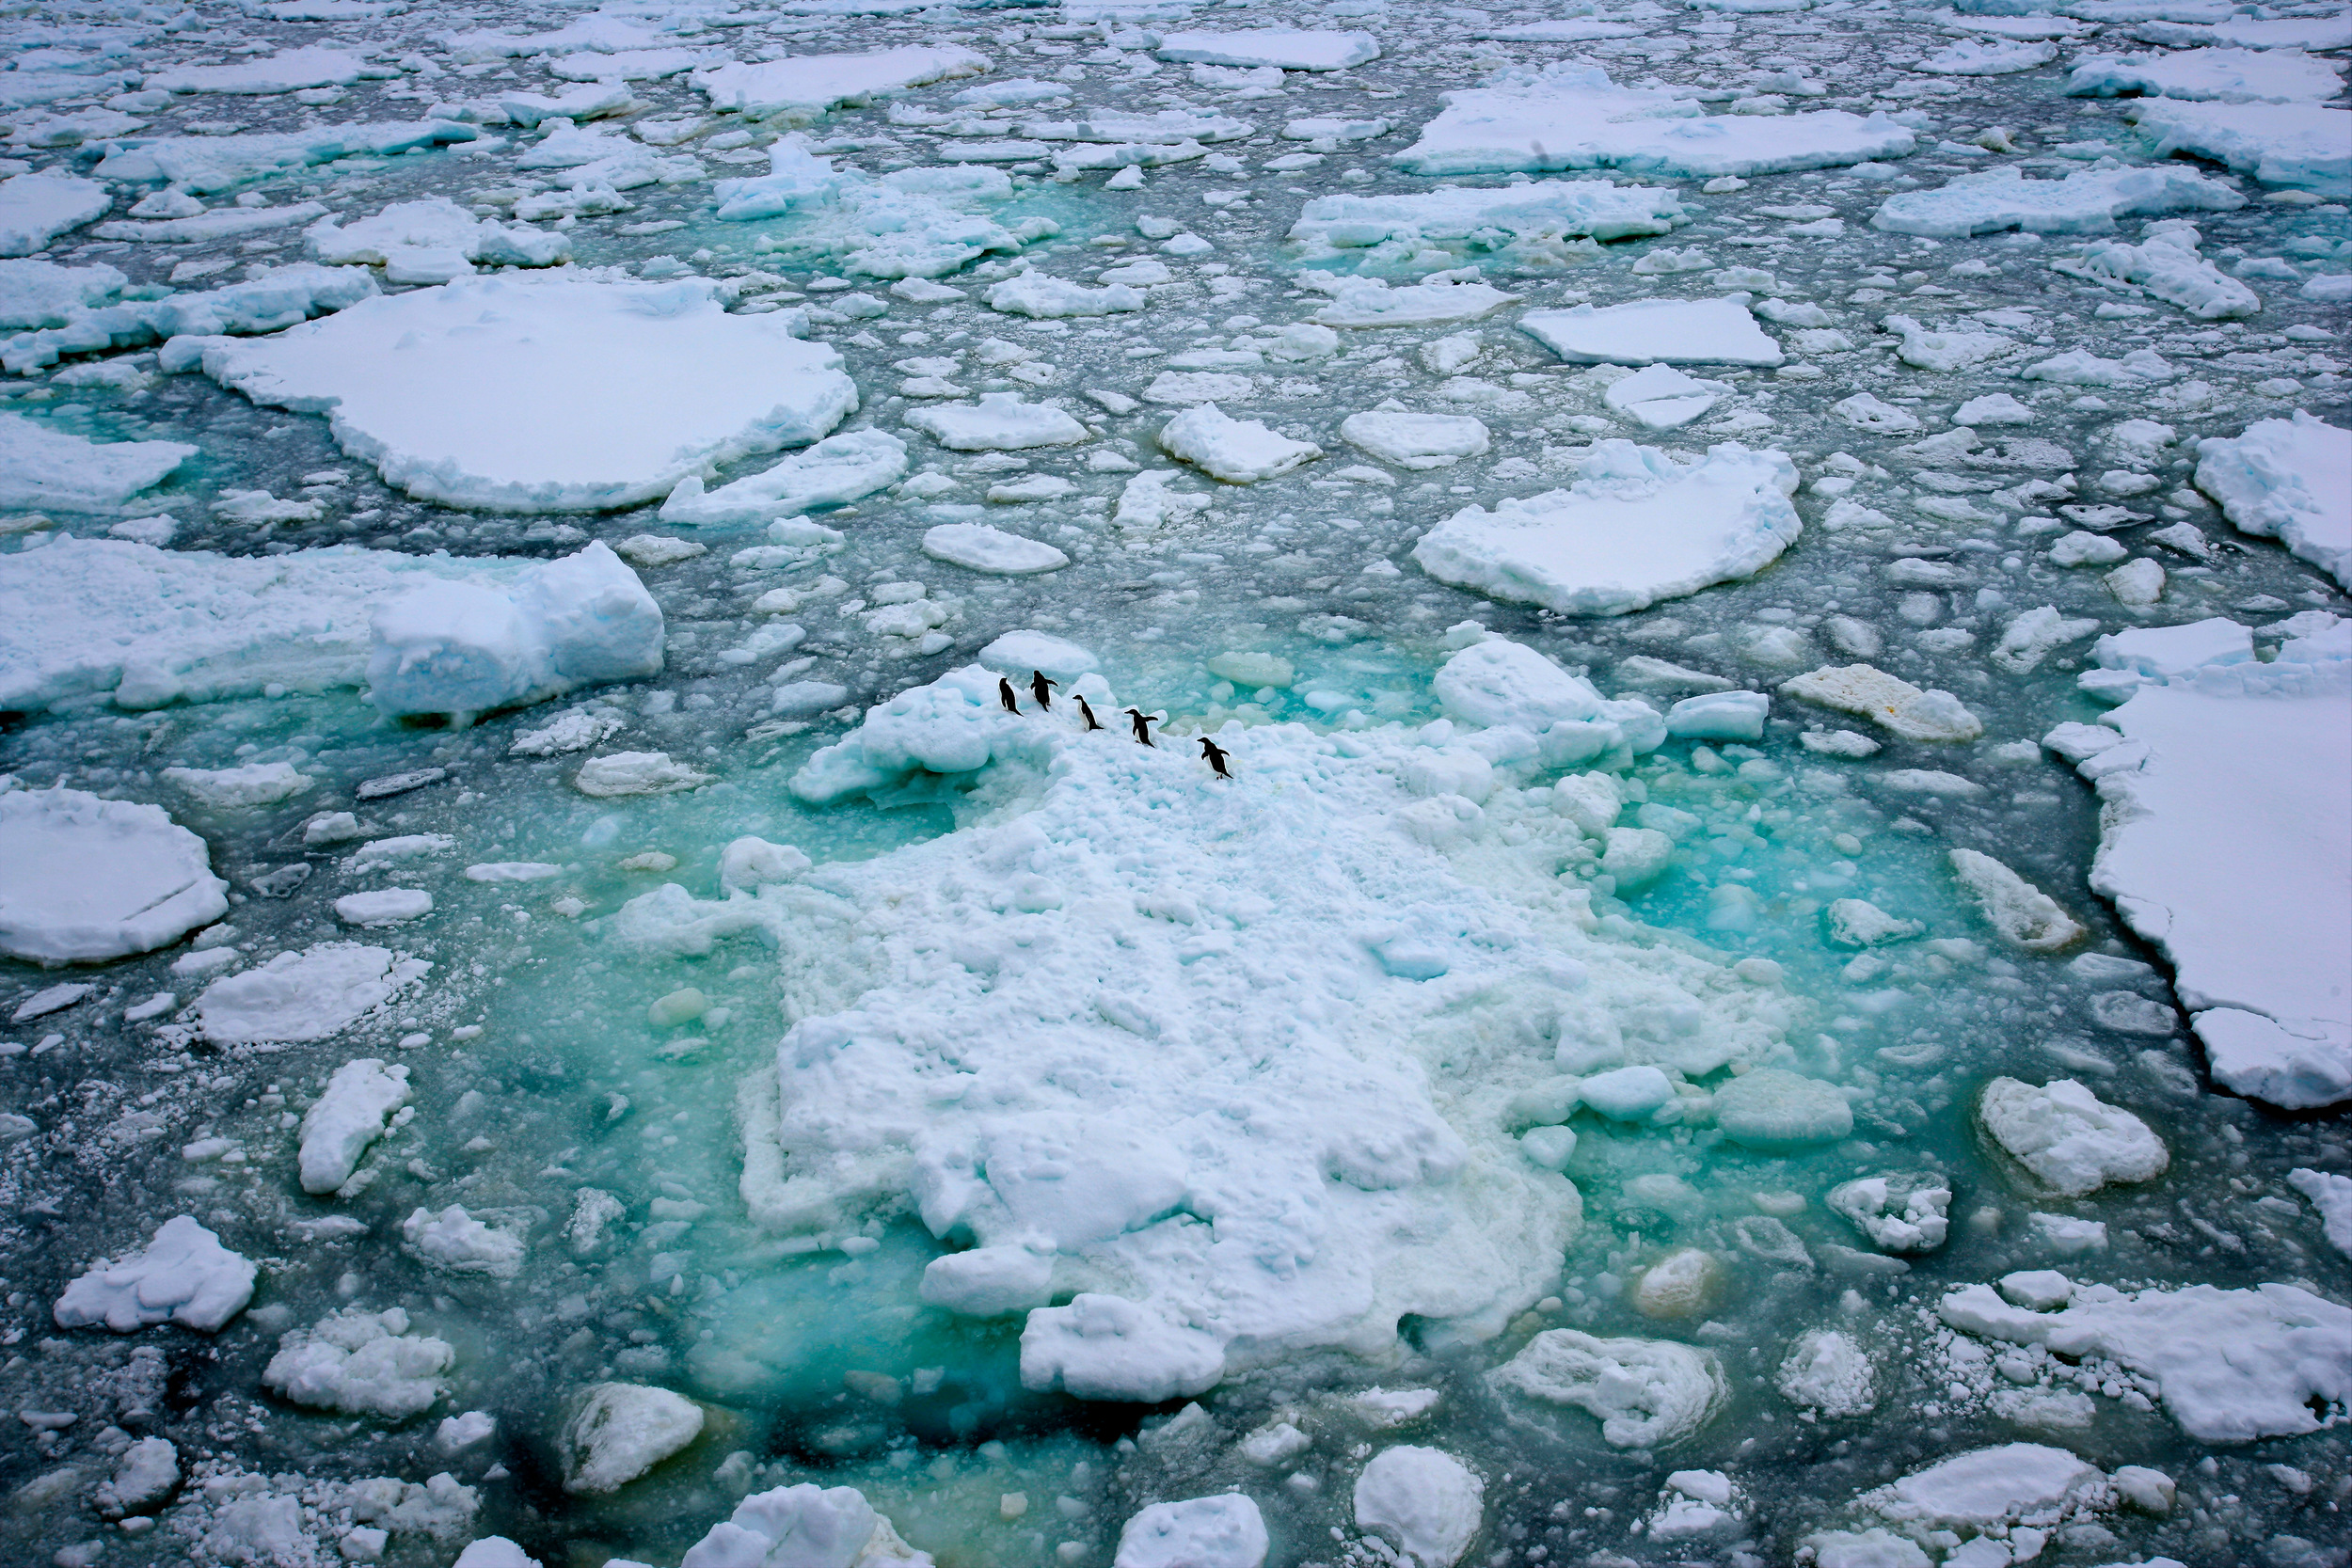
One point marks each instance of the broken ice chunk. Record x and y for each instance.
(2068, 1138)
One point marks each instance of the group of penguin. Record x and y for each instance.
(1139, 722)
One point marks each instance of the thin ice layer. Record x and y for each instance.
(547, 394)
(1635, 528)
(1183, 1064)
(2223, 840)
(1570, 115)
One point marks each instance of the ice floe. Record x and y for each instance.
(2289, 480)
(184, 1276)
(308, 995)
(84, 880)
(1655, 332)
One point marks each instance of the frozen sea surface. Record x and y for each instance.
(1729, 949)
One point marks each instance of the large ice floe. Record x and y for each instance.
(84, 880)
(1635, 528)
(98, 619)
(2218, 787)
(547, 394)
(1248, 1175)
(1568, 114)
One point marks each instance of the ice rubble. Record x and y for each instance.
(1515, 222)
(798, 89)
(909, 223)
(2219, 789)
(2168, 267)
(52, 469)
(361, 1363)
(1217, 1231)
(2234, 1365)
(184, 1276)
(432, 241)
(84, 880)
(1635, 528)
(1655, 332)
(547, 394)
(1829, 1372)
(1570, 115)
(35, 209)
(2290, 480)
(2296, 145)
(1224, 1531)
(464, 648)
(2223, 75)
(305, 995)
(1645, 1393)
(2088, 201)
(350, 1114)
(835, 471)
(96, 618)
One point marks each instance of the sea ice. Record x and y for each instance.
(1275, 46)
(2234, 1364)
(799, 87)
(1635, 528)
(2223, 75)
(835, 471)
(84, 880)
(1655, 332)
(463, 648)
(2332, 1195)
(1434, 302)
(1000, 421)
(832, 1526)
(1424, 1501)
(348, 1115)
(1774, 1111)
(432, 241)
(1223, 1531)
(2087, 201)
(361, 1363)
(2072, 1141)
(1645, 1393)
(206, 165)
(1410, 440)
(1898, 1214)
(1993, 1489)
(2168, 267)
(272, 298)
(1239, 451)
(978, 547)
(1830, 1372)
(2296, 145)
(2290, 480)
(1891, 703)
(1530, 221)
(547, 394)
(287, 70)
(35, 209)
(1570, 115)
(53, 470)
(184, 1276)
(2024, 915)
(305, 995)
(623, 1430)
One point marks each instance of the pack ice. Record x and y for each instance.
(1249, 1175)
(547, 394)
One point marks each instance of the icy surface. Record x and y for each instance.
(84, 880)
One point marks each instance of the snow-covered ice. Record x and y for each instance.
(2067, 1138)
(351, 1115)
(622, 1430)
(184, 1276)
(308, 995)
(1655, 332)
(84, 880)
(2289, 480)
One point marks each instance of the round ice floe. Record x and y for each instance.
(304, 996)
(621, 1431)
(2070, 1139)
(1224, 1531)
(1771, 1109)
(1645, 1393)
(84, 880)
(1426, 1503)
(1627, 1093)
(1829, 1372)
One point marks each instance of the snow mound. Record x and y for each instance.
(2235, 1365)
(1635, 528)
(834, 472)
(361, 1363)
(1646, 1393)
(2071, 1140)
(1655, 332)
(1570, 115)
(184, 1276)
(463, 648)
(2087, 201)
(52, 469)
(623, 1430)
(547, 394)
(84, 880)
(1194, 937)
(348, 1115)
(2219, 790)
(309, 995)
(1516, 223)
(2289, 480)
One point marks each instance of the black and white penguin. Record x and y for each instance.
(1141, 723)
(1004, 695)
(1088, 714)
(1216, 756)
(1042, 688)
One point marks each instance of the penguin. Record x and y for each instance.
(1042, 690)
(1216, 754)
(1088, 714)
(1141, 722)
(1004, 695)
